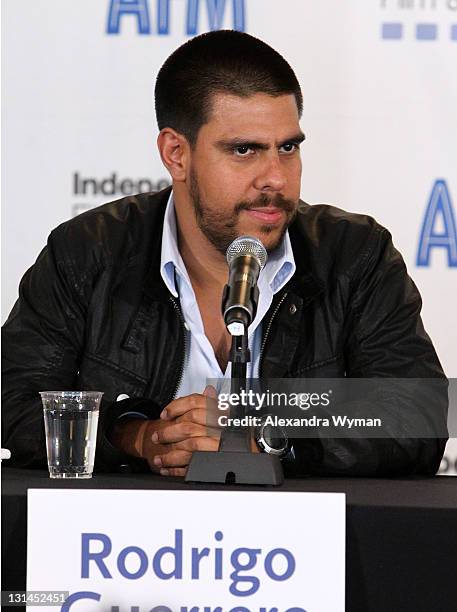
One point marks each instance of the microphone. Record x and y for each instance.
(246, 256)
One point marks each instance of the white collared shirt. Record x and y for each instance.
(200, 361)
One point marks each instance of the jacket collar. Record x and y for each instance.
(154, 286)
(305, 283)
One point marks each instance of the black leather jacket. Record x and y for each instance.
(94, 313)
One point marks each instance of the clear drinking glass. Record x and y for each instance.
(70, 421)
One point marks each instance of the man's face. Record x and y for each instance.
(244, 176)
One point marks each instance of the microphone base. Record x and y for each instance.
(238, 467)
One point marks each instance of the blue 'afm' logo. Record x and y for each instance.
(140, 9)
(439, 209)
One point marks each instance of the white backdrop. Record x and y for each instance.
(378, 78)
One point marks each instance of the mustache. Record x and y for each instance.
(264, 201)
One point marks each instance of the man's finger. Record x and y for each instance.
(176, 432)
(210, 391)
(174, 458)
(201, 416)
(181, 453)
(201, 443)
(173, 471)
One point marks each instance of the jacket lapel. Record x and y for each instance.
(283, 324)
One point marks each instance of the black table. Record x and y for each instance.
(401, 534)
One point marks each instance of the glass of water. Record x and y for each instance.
(70, 421)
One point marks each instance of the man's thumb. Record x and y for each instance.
(210, 391)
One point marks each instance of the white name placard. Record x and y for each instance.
(188, 551)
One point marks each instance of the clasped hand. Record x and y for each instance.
(186, 424)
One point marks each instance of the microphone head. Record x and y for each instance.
(247, 245)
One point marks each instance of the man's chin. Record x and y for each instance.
(270, 236)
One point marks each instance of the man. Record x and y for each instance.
(126, 298)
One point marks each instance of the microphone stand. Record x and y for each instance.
(234, 462)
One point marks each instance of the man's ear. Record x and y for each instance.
(174, 150)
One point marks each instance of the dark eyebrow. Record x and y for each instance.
(297, 139)
(229, 145)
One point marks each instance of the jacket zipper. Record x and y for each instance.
(183, 324)
(278, 306)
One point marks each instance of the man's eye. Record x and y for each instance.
(289, 147)
(242, 151)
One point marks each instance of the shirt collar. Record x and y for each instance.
(279, 268)
(280, 265)
(170, 258)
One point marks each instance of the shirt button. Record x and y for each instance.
(292, 309)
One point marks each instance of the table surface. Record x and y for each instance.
(401, 534)
(437, 492)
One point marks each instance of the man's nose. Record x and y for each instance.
(271, 175)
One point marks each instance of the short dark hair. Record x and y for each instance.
(225, 61)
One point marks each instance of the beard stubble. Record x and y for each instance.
(221, 232)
